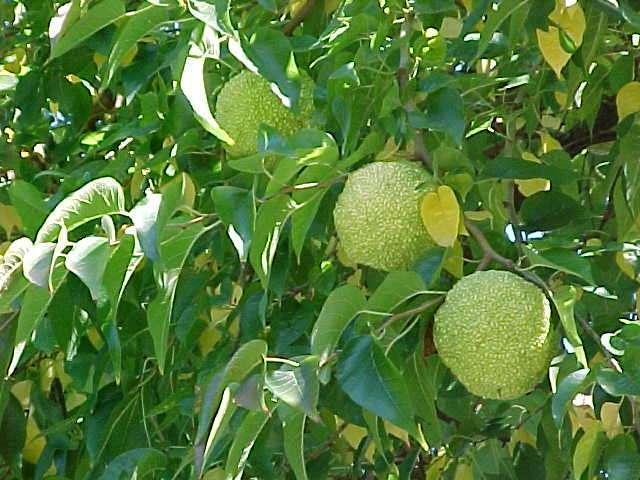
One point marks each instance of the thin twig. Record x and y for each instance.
(411, 312)
(507, 262)
(596, 338)
(297, 19)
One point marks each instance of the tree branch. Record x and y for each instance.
(297, 19)
(507, 262)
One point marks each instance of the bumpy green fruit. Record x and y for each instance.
(247, 101)
(493, 332)
(377, 215)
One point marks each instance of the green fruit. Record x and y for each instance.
(493, 332)
(377, 215)
(247, 101)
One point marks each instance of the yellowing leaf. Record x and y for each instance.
(628, 100)
(584, 451)
(610, 419)
(479, 215)
(464, 471)
(531, 186)
(22, 391)
(397, 432)
(208, 339)
(441, 215)
(561, 97)
(34, 443)
(436, 467)
(9, 219)
(453, 262)
(624, 263)
(548, 144)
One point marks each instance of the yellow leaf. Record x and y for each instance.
(552, 51)
(441, 215)
(570, 19)
(610, 419)
(628, 100)
(208, 338)
(453, 262)
(531, 186)
(22, 391)
(353, 434)
(34, 443)
(397, 432)
(572, 22)
(548, 144)
(561, 97)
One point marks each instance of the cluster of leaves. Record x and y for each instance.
(168, 312)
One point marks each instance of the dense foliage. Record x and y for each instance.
(170, 311)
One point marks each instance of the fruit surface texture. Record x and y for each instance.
(493, 331)
(247, 101)
(377, 215)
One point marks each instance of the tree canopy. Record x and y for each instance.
(172, 309)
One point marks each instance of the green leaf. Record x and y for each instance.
(374, 383)
(35, 303)
(297, 386)
(138, 24)
(192, 85)
(30, 205)
(618, 383)
(96, 18)
(495, 18)
(270, 51)
(236, 210)
(12, 282)
(342, 305)
(37, 264)
(144, 216)
(124, 260)
(270, 221)
(564, 299)
(12, 420)
(214, 13)
(151, 215)
(174, 250)
(567, 261)
(138, 462)
(308, 202)
(88, 261)
(424, 376)
(571, 385)
(103, 196)
(396, 289)
(517, 168)
(443, 112)
(243, 361)
(244, 439)
(219, 426)
(549, 210)
(293, 423)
